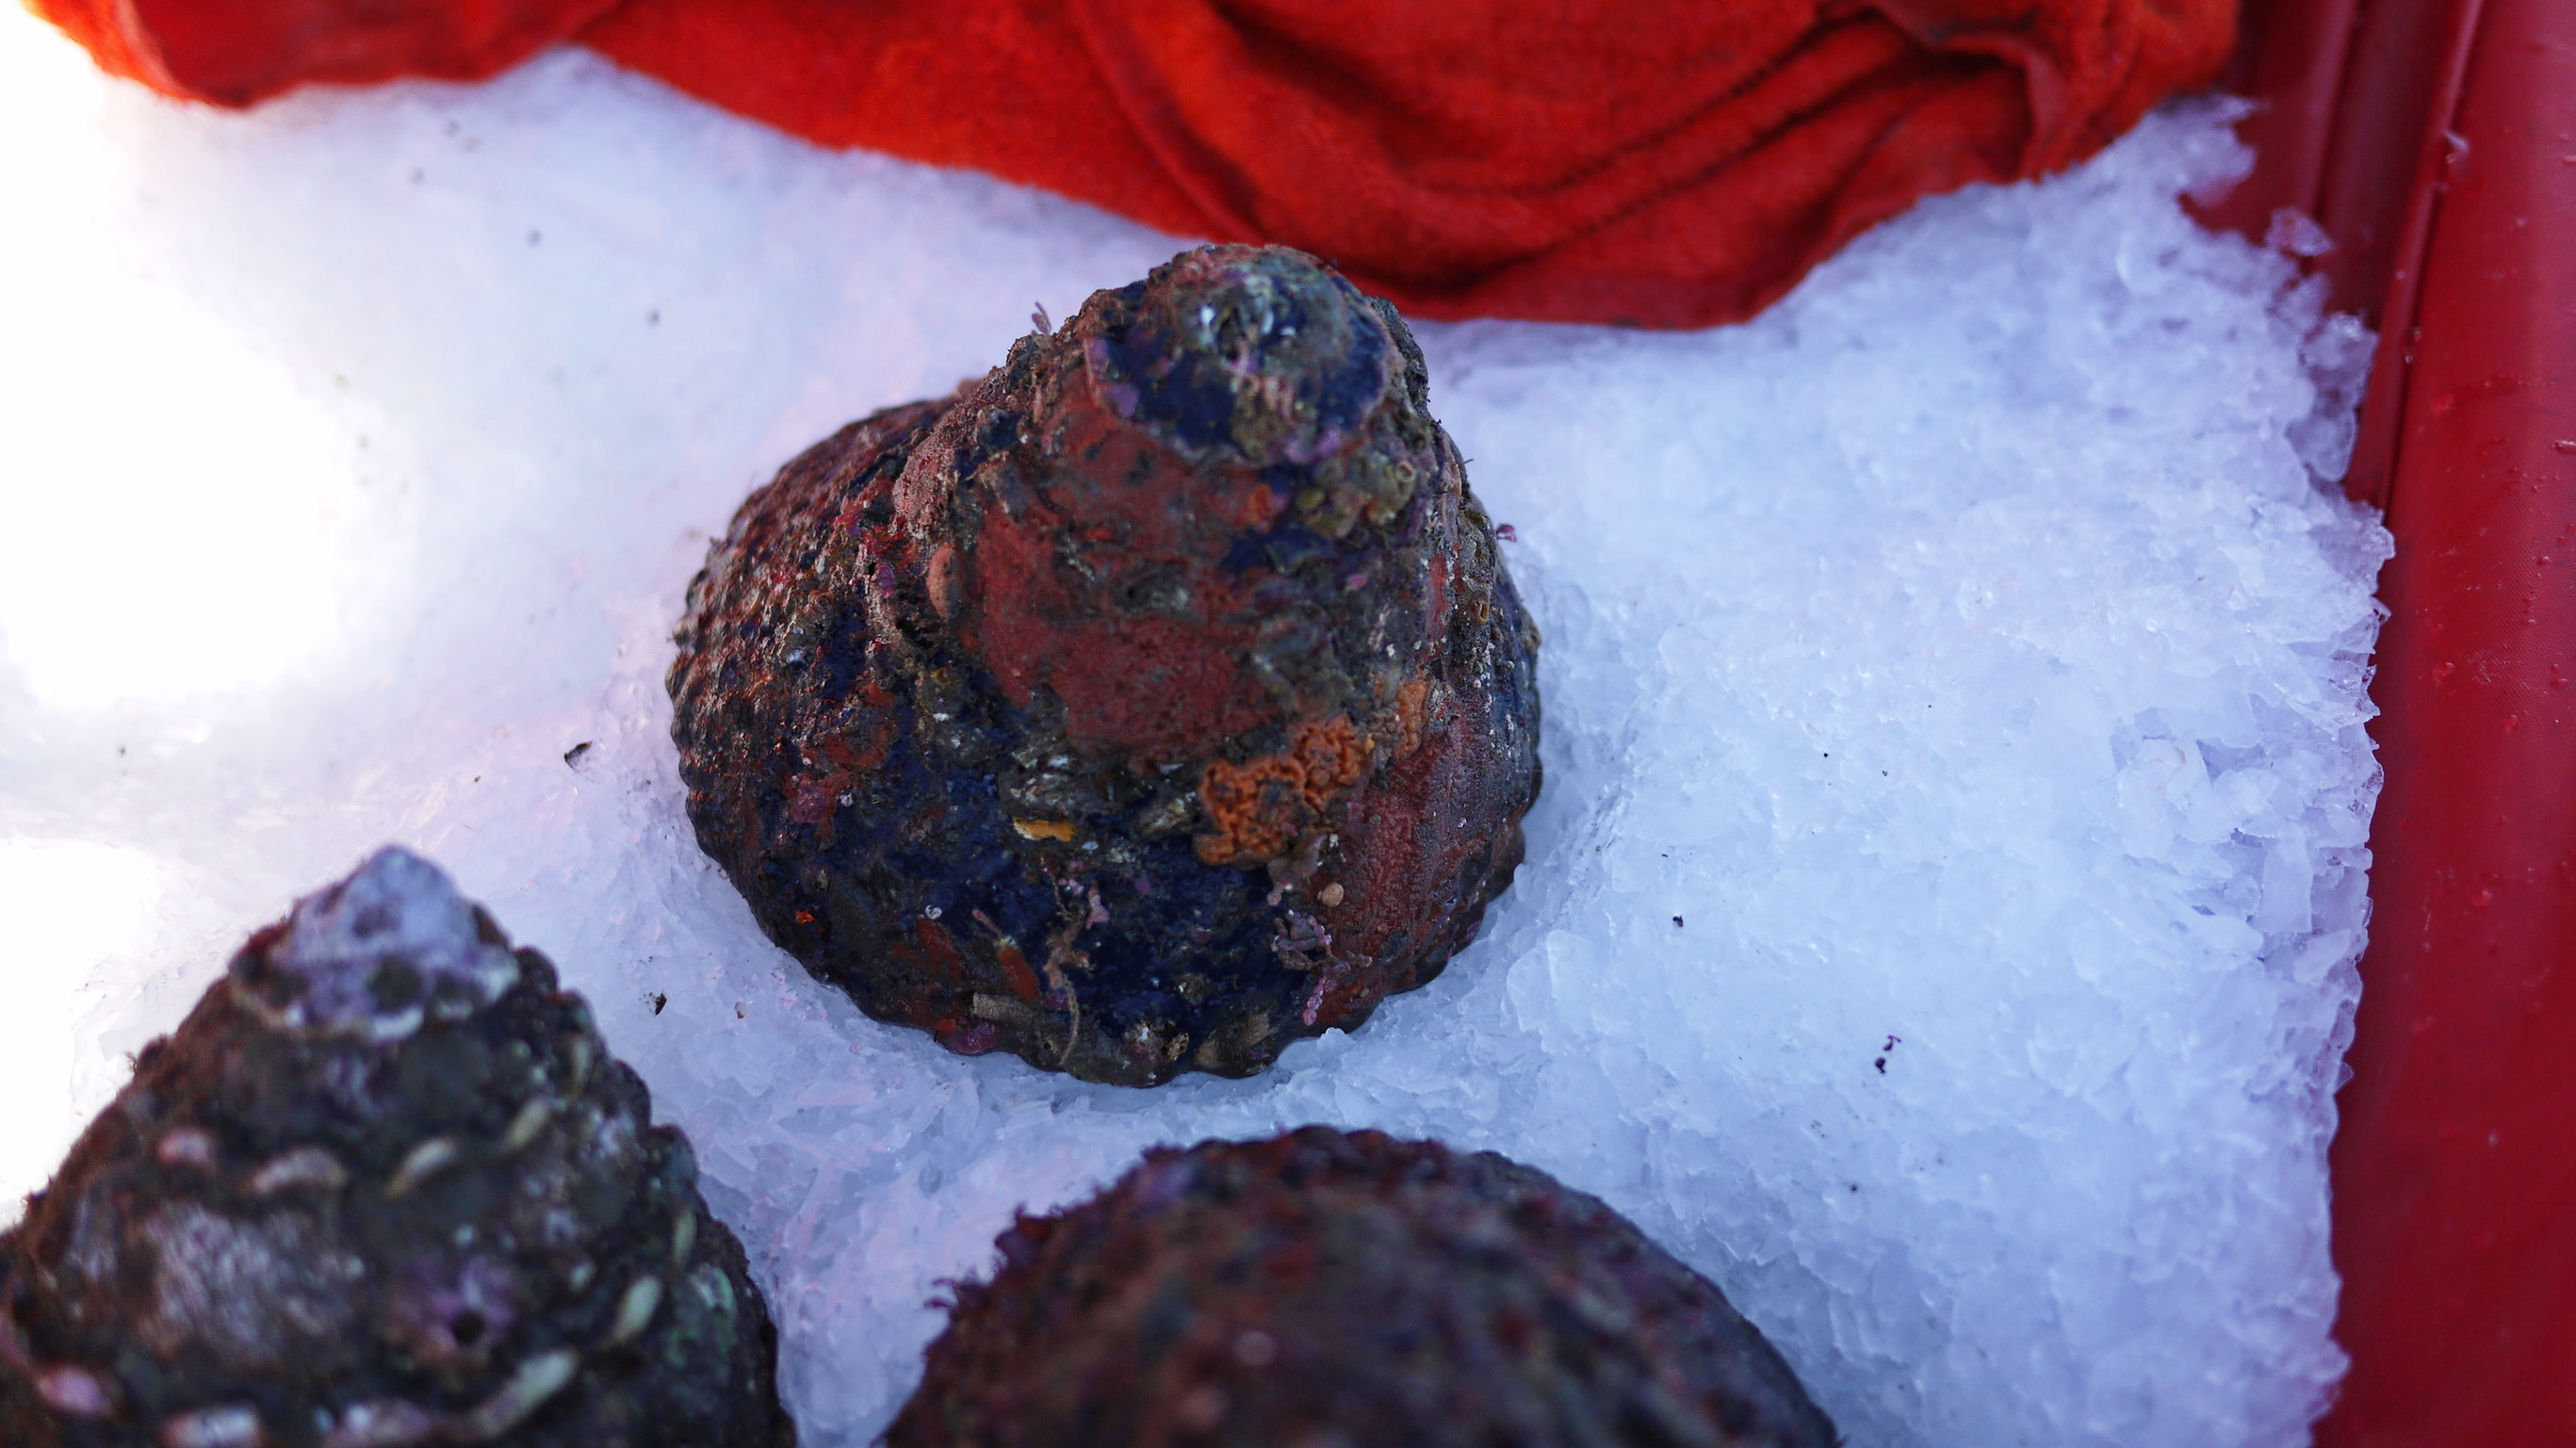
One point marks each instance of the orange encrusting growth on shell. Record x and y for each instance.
(1259, 807)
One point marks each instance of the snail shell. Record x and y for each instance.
(1156, 701)
(384, 1186)
(1324, 1287)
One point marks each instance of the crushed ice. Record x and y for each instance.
(1938, 927)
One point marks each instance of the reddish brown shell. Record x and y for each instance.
(1346, 1289)
(1153, 702)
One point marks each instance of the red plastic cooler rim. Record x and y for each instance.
(2435, 140)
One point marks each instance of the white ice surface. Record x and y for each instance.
(1957, 669)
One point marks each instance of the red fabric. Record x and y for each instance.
(1673, 163)
(234, 52)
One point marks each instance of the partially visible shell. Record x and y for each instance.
(1352, 1290)
(384, 1187)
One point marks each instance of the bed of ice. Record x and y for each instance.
(1938, 927)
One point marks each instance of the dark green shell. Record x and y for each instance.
(384, 1187)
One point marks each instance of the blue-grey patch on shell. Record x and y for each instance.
(374, 955)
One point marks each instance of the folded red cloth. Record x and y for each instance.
(234, 52)
(1670, 163)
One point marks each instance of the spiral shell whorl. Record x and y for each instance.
(385, 1186)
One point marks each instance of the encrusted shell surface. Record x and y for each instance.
(1347, 1289)
(1153, 702)
(384, 1187)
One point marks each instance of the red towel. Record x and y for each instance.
(1670, 163)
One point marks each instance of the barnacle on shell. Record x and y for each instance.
(1153, 702)
(1352, 1290)
(385, 1186)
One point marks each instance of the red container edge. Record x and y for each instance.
(2436, 142)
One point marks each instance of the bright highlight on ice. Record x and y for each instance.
(74, 908)
(166, 492)
(1938, 924)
